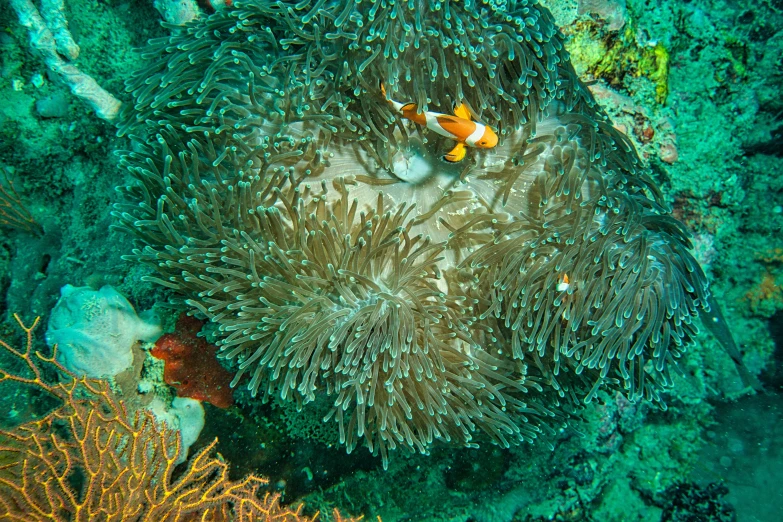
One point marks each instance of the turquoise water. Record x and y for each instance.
(696, 88)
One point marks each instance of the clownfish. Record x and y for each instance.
(564, 283)
(459, 127)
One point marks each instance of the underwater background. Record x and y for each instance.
(696, 87)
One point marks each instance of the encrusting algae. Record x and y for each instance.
(279, 194)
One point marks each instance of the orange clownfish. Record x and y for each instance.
(564, 283)
(460, 127)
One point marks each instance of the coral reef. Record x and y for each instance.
(723, 108)
(614, 12)
(191, 365)
(92, 458)
(766, 296)
(619, 53)
(270, 194)
(652, 133)
(178, 12)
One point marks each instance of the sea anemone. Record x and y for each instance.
(277, 193)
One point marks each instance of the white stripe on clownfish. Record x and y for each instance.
(459, 127)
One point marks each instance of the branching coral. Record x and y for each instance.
(92, 459)
(278, 195)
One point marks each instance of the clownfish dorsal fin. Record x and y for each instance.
(456, 154)
(461, 111)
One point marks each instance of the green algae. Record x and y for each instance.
(599, 53)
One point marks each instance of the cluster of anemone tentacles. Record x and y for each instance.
(278, 194)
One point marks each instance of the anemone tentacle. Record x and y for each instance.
(276, 194)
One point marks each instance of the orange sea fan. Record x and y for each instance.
(90, 459)
(13, 213)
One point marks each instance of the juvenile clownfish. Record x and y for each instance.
(563, 285)
(460, 127)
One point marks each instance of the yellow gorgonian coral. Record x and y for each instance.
(92, 459)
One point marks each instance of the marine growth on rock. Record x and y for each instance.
(279, 196)
(190, 364)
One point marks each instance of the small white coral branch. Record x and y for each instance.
(51, 45)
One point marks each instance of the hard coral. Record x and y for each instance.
(280, 197)
(191, 366)
(92, 459)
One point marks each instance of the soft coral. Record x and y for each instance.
(191, 366)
